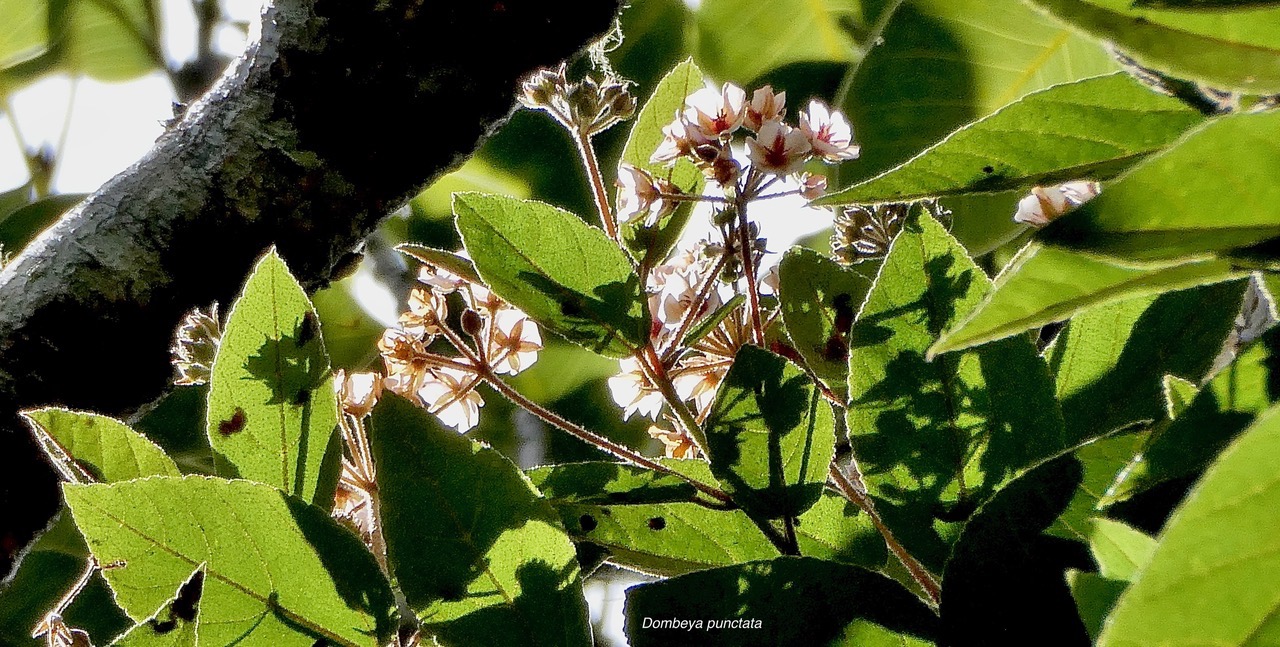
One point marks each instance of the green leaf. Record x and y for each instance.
(1121, 551)
(1220, 411)
(48, 569)
(1203, 5)
(1093, 128)
(934, 439)
(23, 32)
(1042, 285)
(176, 624)
(741, 40)
(350, 333)
(945, 63)
(782, 601)
(1095, 596)
(564, 273)
(277, 571)
(1102, 459)
(675, 538)
(104, 447)
(449, 261)
(712, 321)
(652, 244)
(109, 40)
(273, 414)
(1110, 362)
(481, 559)
(1237, 51)
(1178, 394)
(22, 225)
(604, 483)
(1171, 206)
(770, 435)
(819, 299)
(1004, 561)
(1212, 578)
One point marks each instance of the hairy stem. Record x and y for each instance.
(596, 180)
(928, 583)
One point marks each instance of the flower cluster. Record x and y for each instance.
(506, 341)
(865, 233)
(588, 106)
(704, 129)
(194, 346)
(1046, 204)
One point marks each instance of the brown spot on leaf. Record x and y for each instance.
(235, 424)
(657, 523)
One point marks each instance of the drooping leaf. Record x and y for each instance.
(1092, 128)
(819, 299)
(770, 435)
(1214, 578)
(652, 244)
(740, 40)
(1218, 413)
(1174, 205)
(675, 538)
(781, 601)
(1005, 575)
(1236, 51)
(176, 624)
(105, 448)
(273, 414)
(565, 274)
(1110, 362)
(1042, 285)
(946, 63)
(480, 558)
(109, 40)
(934, 439)
(277, 570)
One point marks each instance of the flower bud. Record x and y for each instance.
(472, 322)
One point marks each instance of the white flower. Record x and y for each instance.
(357, 392)
(402, 356)
(633, 391)
(1046, 204)
(697, 377)
(450, 395)
(765, 106)
(717, 114)
(642, 193)
(675, 444)
(770, 280)
(483, 300)
(680, 138)
(674, 287)
(828, 132)
(514, 341)
(778, 149)
(428, 311)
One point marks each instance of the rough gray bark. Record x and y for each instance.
(341, 111)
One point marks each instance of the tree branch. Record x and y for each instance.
(337, 114)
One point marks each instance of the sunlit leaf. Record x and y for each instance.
(1084, 129)
(277, 571)
(1238, 50)
(566, 274)
(273, 414)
